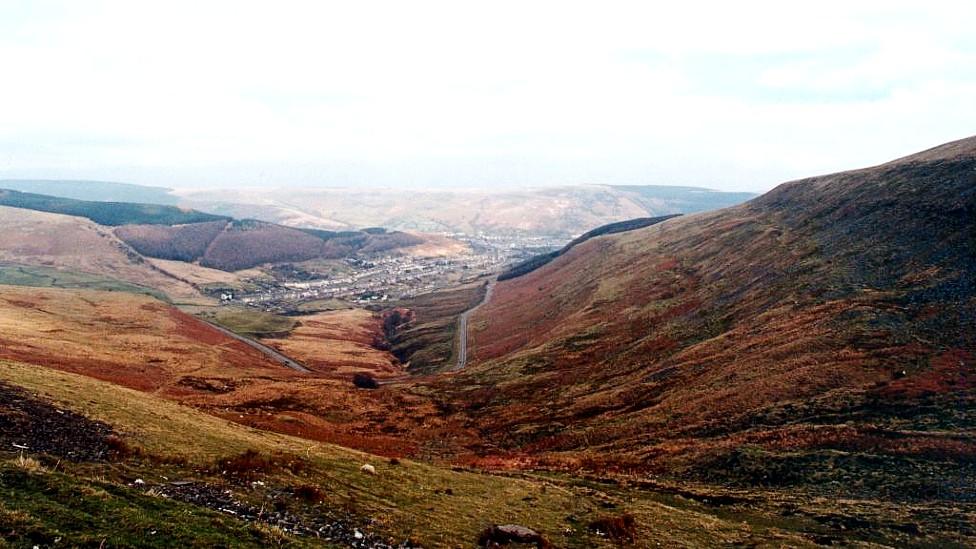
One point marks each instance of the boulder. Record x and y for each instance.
(501, 535)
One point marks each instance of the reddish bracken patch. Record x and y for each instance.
(195, 329)
(622, 528)
(953, 371)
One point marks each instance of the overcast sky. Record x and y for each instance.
(730, 95)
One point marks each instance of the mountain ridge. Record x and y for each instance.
(668, 347)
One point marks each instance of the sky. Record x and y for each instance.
(727, 95)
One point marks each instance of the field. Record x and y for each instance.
(246, 321)
(147, 345)
(340, 343)
(202, 276)
(47, 277)
(142, 343)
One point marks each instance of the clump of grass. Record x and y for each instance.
(621, 528)
(273, 536)
(120, 450)
(29, 464)
(249, 464)
(14, 520)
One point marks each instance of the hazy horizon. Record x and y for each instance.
(446, 95)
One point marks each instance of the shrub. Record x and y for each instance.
(250, 463)
(622, 528)
(119, 449)
(309, 493)
(28, 464)
(364, 381)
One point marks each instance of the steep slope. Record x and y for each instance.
(831, 317)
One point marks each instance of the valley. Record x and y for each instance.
(797, 370)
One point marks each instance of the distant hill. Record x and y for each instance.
(242, 244)
(534, 263)
(821, 333)
(105, 213)
(563, 212)
(683, 199)
(172, 233)
(75, 245)
(99, 191)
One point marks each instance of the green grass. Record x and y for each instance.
(407, 499)
(48, 508)
(319, 305)
(85, 503)
(248, 322)
(47, 277)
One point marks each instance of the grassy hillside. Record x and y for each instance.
(79, 246)
(170, 233)
(105, 213)
(339, 343)
(88, 500)
(249, 322)
(46, 277)
(818, 336)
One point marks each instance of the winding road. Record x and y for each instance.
(261, 347)
(294, 365)
(463, 328)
